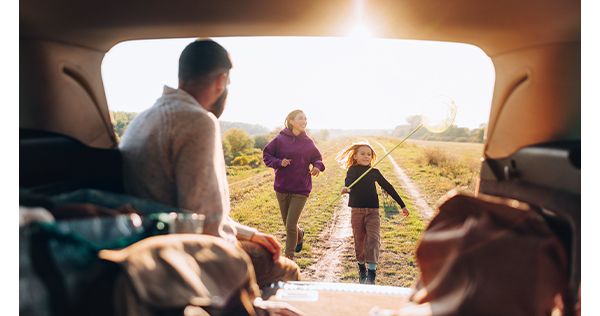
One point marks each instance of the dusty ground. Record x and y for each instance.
(424, 209)
(336, 238)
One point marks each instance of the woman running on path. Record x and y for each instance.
(295, 159)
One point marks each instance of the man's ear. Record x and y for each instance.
(221, 82)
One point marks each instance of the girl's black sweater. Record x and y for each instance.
(364, 193)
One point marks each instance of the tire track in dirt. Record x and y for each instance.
(336, 237)
(423, 207)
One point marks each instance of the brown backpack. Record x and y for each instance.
(488, 256)
(183, 274)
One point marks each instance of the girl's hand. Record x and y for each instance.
(405, 211)
(315, 171)
(345, 190)
(286, 162)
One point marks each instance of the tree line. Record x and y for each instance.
(452, 134)
(243, 143)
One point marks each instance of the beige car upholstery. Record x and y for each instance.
(62, 91)
(536, 98)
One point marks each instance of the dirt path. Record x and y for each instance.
(424, 209)
(337, 237)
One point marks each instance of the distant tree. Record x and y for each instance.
(322, 135)
(452, 134)
(483, 128)
(252, 129)
(261, 141)
(228, 155)
(413, 121)
(401, 130)
(476, 135)
(238, 140)
(121, 120)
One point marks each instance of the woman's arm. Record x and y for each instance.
(385, 185)
(269, 155)
(316, 159)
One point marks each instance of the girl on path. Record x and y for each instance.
(295, 159)
(357, 158)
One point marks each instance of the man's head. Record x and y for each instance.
(204, 73)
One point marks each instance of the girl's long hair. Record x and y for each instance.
(346, 156)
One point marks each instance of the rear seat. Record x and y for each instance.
(59, 274)
(52, 163)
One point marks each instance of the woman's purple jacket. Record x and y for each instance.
(295, 178)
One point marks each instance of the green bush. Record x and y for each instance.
(120, 121)
(251, 157)
(240, 161)
(238, 140)
(260, 141)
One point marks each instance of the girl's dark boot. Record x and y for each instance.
(371, 274)
(362, 273)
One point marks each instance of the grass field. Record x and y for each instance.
(435, 167)
(238, 174)
(438, 167)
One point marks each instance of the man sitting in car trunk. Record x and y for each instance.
(173, 154)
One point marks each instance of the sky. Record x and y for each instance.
(340, 83)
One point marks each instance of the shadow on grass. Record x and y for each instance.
(391, 211)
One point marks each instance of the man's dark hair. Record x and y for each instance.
(202, 58)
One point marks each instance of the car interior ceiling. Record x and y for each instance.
(67, 141)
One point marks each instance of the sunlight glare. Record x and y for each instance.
(358, 28)
(438, 113)
(360, 31)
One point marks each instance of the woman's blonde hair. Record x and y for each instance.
(290, 117)
(346, 156)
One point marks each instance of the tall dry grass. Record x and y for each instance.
(462, 172)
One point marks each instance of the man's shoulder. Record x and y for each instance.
(182, 113)
(166, 112)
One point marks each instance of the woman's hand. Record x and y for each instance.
(405, 212)
(286, 162)
(269, 242)
(315, 171)
(345, 190)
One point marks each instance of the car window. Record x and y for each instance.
(351, 89)
(344, 83)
